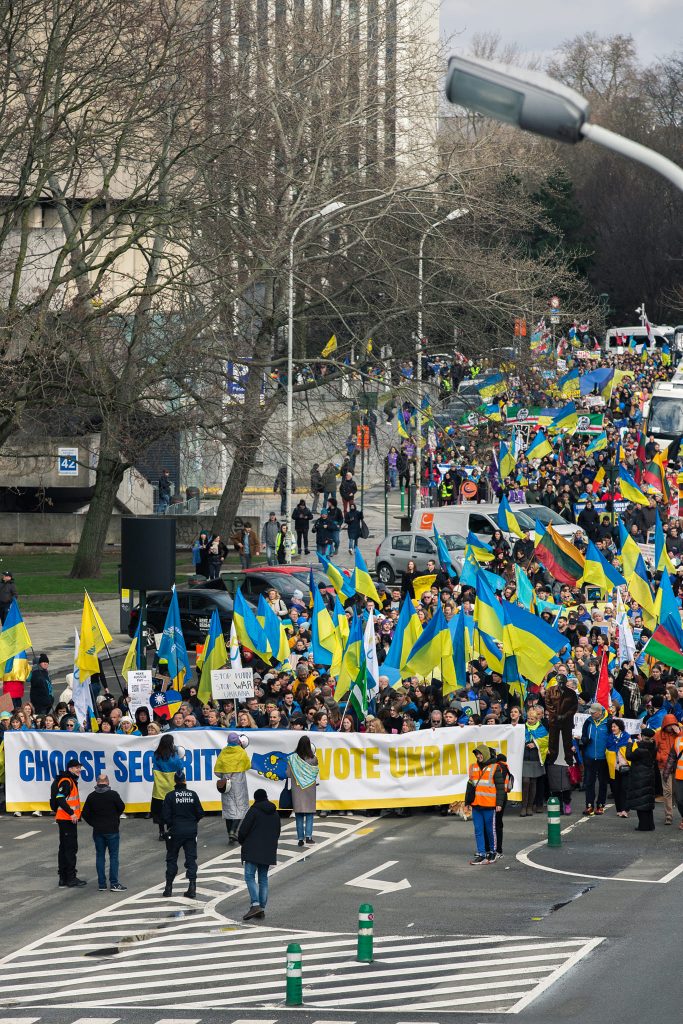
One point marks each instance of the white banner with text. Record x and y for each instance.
(356, 769)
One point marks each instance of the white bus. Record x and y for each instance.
(617, 339)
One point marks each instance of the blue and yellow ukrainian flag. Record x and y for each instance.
(324, 639)
(482, 551)
(630, 489)
(565, 419)
(494, 384)
(639, 589)
(598, 444)
(275, 631)
(14, 638)
(488, 622)
(250, 632)
(342, 583)
(506, 519)
(363, 582)
(531, 640)
(569, 384)
(539, 447)
(432, 653)
(406, 634)
(629, 551)
(598, 571)
(352, 659)
(215, 656)
(662, 561)
(507, 462)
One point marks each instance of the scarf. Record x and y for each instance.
(304, 773)
(537, 734)
(232, 759)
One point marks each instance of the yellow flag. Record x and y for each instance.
(94, 636)
(330, 347)
(368, 347)
(129, 664)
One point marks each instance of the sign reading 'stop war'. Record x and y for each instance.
(356, 769)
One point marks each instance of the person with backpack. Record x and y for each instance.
(485, 795)
(65, 801)
(508, 784)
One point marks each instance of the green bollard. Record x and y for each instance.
(403, 498)
(294, 979)
(554, 833)
(366, 919)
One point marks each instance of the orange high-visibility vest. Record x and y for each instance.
(485, 795)
(678, 747)
(74, 802)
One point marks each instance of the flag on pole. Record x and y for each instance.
(371, 661)
(82, 694)
(94, 638)
(172, 648)
(604, 687)
(215, 656)
(330, 347)
(14, 638)
(235, 653)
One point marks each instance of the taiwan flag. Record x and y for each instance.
(166, 704)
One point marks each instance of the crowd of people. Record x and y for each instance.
(629, 743)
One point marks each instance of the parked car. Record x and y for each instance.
(196, 607)
(393, 554)
(481, 519)
(285, 578)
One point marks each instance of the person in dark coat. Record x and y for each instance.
(8, 593)
(302, 516)
(180, 814)
(102, 810)
(41, 686)
(354, 524)
(561, 704)
(589, 521)
(258, 836)
(640, 755)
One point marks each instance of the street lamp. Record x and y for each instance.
(326, 211)
(537, 103)
(453, 215)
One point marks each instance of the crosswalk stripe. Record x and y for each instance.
(19, 1020)
(96, 1020)
(180, 1020)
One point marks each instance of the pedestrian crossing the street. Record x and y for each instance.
(150, 954)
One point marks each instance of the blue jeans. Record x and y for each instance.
(484, 821)
(258, 894)
(304, 826)
(107, 841)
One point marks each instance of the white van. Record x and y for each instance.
(614, 337)
(482, 519)
(664, 411)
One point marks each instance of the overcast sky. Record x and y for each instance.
(538, 26)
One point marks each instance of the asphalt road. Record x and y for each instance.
(530, 933)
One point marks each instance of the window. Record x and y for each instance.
(424, 546)
(401, 542)
(203, 604)
(480, 524)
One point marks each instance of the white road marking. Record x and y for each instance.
(96, 1020)
(378, 885)
(18, 1020)
(562, 969)
(524, 858)
(249, 1020)
(27, 835)
(179, 1020)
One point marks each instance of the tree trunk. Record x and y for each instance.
(108, 479)
(246, 444)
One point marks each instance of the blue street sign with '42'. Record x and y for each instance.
(67, 461)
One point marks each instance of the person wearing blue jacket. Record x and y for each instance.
(594, 736)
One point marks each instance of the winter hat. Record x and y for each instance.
(73, 762)
(299, 594)
(179, 778)
(233, 739)
(647, 734)
(260, 795)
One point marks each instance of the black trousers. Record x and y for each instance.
(646, 821)
(68, 850)
(173, 847)
(595, 771)
(499, 828)
(302, 538)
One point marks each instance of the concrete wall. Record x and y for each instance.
(58, 530)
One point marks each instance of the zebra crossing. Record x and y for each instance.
(145, 954)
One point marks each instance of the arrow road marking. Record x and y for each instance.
(382, 886)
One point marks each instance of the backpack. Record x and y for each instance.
(54, 806)
(508, 777)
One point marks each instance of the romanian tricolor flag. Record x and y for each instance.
(598, 480)
(563, 561)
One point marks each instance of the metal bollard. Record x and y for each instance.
(403, 498)
(366, 919)
(294, 979)
(554, 833)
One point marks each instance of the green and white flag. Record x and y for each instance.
(358, 698)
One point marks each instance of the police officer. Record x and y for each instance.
(180, 814)
(67, 805)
